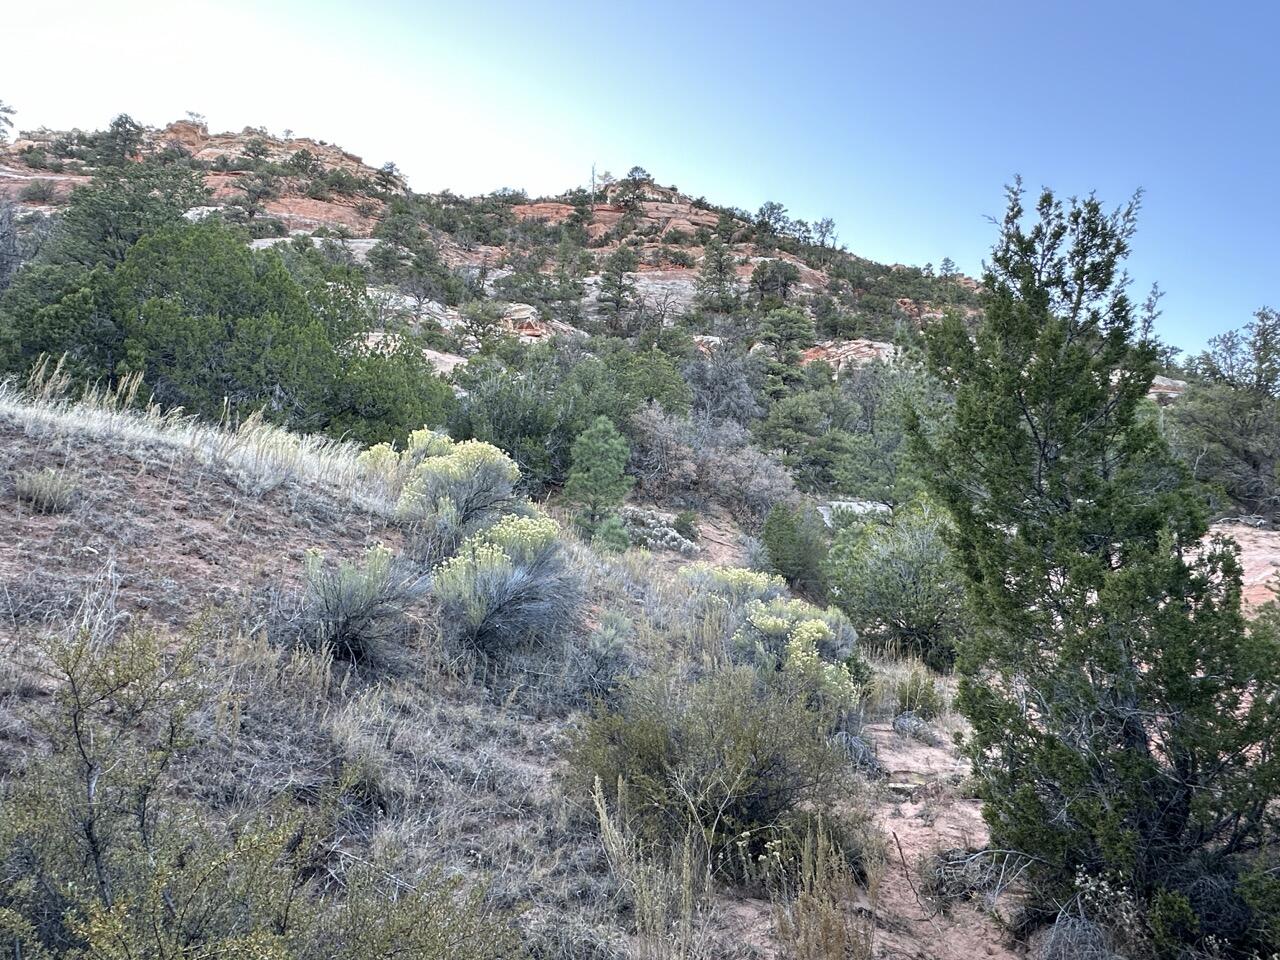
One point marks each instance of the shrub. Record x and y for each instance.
(355, 609)
(596, 666)
(106, 857)
(898, 583)
(508, 587)
(795, 539)
(735, 756)
(38, 191)
(700, 460)
(917, 692)
(650, 529)
(611, 535)
(445, 490)
(747, 481)
(812, 903)
(770, 625)
(47, 490)
(686, 524)
(735, 585)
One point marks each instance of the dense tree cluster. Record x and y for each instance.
(126, 286)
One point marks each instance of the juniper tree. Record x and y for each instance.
(1124, 715)
(1228, 422)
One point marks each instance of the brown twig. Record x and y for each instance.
(928, 915)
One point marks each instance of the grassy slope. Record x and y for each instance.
(201, 531)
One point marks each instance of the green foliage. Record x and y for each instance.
(611, 535)
(1092, 593)
(1227, 424)
(216, 328)
(484, 322)
(597, 482)
(773, 280)
(508, 588)
(897, 581)
(104, 220)
(405, 257)
(617, 292)
(106, 858)
(786, 331)
(917, 692)
(876, 403)
(386, 389)
(718, 278)
(736, 756)
(38, 191)
(536, 402)
(686, 524)
(795, 541)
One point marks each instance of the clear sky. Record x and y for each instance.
(901, 121)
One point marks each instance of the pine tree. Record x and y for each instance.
(6, 124)
(617, 292)
(787, 331)
(1124, 716)
(596, 479)
(717, 278)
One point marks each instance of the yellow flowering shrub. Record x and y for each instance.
(507, 586)
(832, 681)
(735, 584)
(439, 479)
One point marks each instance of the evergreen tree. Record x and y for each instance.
(9, 255)
(795, 541)
(1228, 423)
(787, 331)
(596, 479)
(617, 292)
(717, 278)
(773, 280)
(1124, 717)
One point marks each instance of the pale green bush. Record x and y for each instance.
(355, 609)
(445, 490)
(898, 583)
(508, 587)
(737, 757)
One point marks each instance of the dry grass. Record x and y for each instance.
(817, 910)
(46, 491)
(258, 455)
(435, 769)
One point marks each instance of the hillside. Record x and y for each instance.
(613, 575)
(197, 532)
(298, 186)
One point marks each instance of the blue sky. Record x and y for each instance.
(900, 121)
